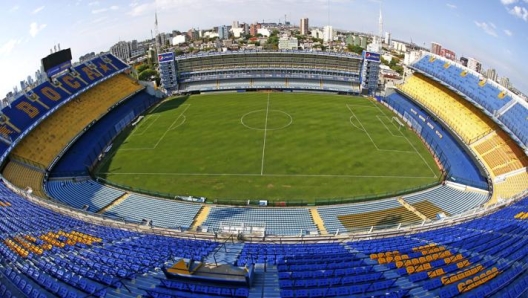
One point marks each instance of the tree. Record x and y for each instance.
(147, 74)
(355, 49)
(142, 68)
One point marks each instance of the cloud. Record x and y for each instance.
(94, 3)
(14, 8)
(105, 9)
(508, 2)
(519, 12)
(488, 28)
(452, 6)
(508, 32)
(8, 47)
(37, 10)
(35, 28)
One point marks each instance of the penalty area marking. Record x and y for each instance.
(141, 124)
(372, 140)
(171, 127)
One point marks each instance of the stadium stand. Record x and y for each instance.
(456, 161)
(500, 154)
(337, 72)
(45, 253)
(449, 199)
(25, 176)
(490, 96)
(137, 207)
(516, 119)
(511, 185)
(278, 221)
(60, 256)
(82, 193)
(461, 116)
(44, 143)
(85, 151)
(27, 110)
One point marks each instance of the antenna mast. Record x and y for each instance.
(157, 34)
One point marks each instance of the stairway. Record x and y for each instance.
(200, 218)
(114, 203)
(411, 208)
(318, 221)
(265, 282)
(225, 254)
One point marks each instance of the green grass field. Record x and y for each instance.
(275, 146)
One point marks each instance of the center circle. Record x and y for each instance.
(266, 120)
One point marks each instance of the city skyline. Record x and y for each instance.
(493, 33)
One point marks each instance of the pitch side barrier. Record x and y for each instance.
(31, 108)
(277, 203)
(359, 234)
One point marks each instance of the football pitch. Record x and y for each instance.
(291, 147)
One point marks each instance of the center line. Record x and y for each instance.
(265, 133)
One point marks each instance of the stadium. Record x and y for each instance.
(70, 228)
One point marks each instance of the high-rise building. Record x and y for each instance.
(236, 24)
(328, 33)
(436, 48)
(387, 38)
(223, 32)
(304, 26)
(363, 41)
(121, 50)
(474, 64)
(491, 74)
(448, 54)
(253, 29)
(504, 81)
(350, 39)
(192, 34)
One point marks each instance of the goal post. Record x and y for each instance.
(395, 119)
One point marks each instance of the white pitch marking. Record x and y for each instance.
(142, 123)
(275, 175)
(390, 131)
(165, 133)
(265, 134)
(377, 148)
(363, 127)
(416, 150)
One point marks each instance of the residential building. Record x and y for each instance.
(121, 50)
(288, 43)
(304, 26)
(491, 74)
(328, 33)
(436, 48)
(474, 64)
(223, 32)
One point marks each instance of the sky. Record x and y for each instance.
(494, 32)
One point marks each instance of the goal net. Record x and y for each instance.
(400, 124)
